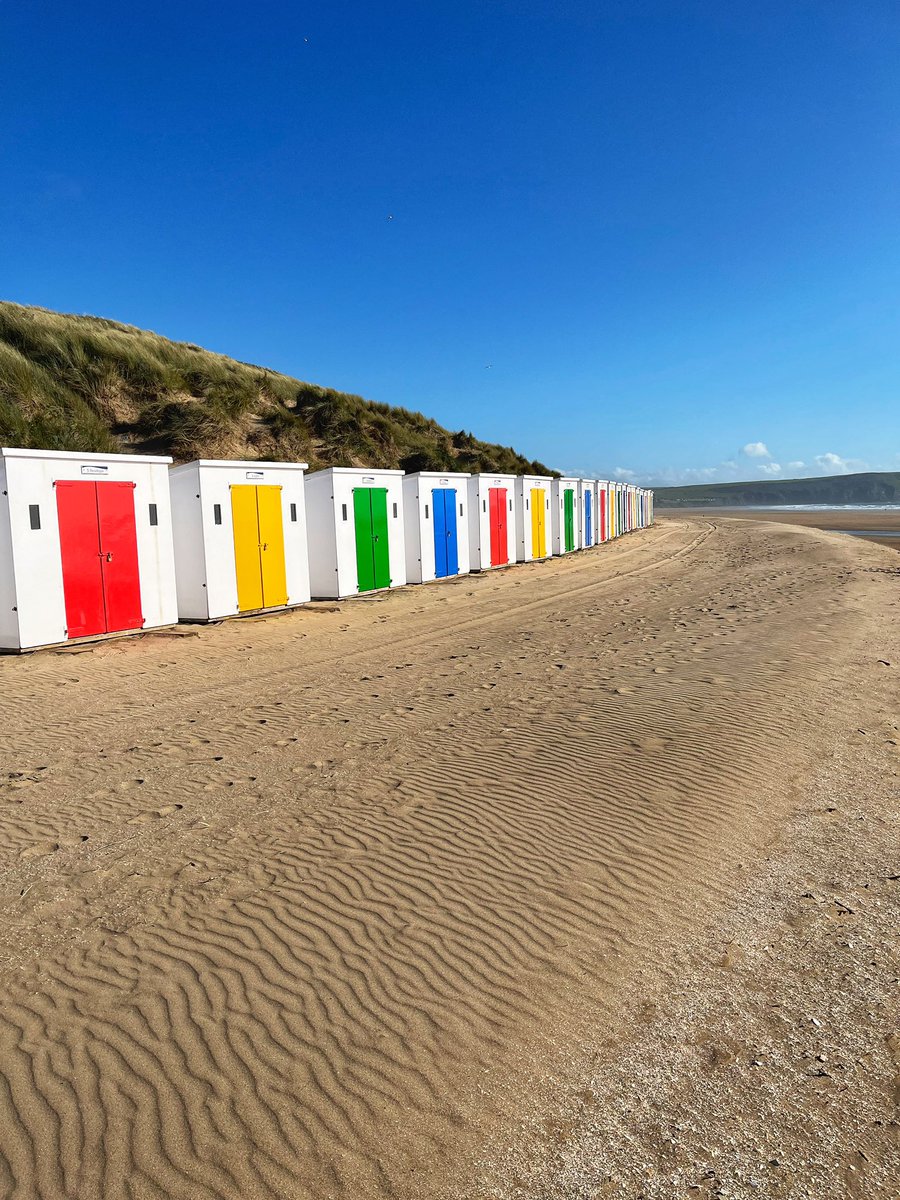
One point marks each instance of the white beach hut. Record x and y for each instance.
(589, 517)
(354, 521)
(614, 524)
(565, 509)
(621, 523)
(492, 525)
(602, 524)
(240, 537)
(532, 512)
(436, 523)
(85, 546)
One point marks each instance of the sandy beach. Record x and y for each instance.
(577, 879)
(876, 525)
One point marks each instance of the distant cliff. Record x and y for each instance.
(871, 487)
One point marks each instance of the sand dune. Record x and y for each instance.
(317, 905)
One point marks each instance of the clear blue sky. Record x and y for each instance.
(631, 236)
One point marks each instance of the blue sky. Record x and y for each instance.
(644, 237)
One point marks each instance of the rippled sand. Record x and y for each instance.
(346, 902)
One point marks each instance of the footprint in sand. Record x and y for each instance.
(40, 850)
(17, 780)
(216, 785)
(649, 745)
(155, 814)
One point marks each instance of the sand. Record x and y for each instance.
(464, 890)
(864, 522)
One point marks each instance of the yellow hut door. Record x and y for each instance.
(271, 546)
(538, 526)
(258, 546)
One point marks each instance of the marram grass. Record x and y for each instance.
(88, 384)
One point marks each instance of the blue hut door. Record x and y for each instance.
(440, 532)
(446, 553)
(588, 525)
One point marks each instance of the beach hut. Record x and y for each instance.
(565, 509)
(588, 513)
(354, 520)
(613, 510)
(240, 537)
(85, 546)
(532, 512)
(602, 530)
(492, 526)
(436, 524)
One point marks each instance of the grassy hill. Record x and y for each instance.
(872, 487)
(84, 383)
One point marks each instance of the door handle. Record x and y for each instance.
(109, 558)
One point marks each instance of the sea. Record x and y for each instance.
(816, 507)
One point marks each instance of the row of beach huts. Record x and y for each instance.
(96, 544)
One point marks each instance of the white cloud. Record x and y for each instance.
(675, 476)
(837, 463)
(830, 460)
(734, 470)
(757, 450)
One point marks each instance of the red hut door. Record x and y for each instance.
(98, 544)
(499, 545)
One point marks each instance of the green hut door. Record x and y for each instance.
(569, 514)
(370, 519)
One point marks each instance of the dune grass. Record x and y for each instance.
(89, 384)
